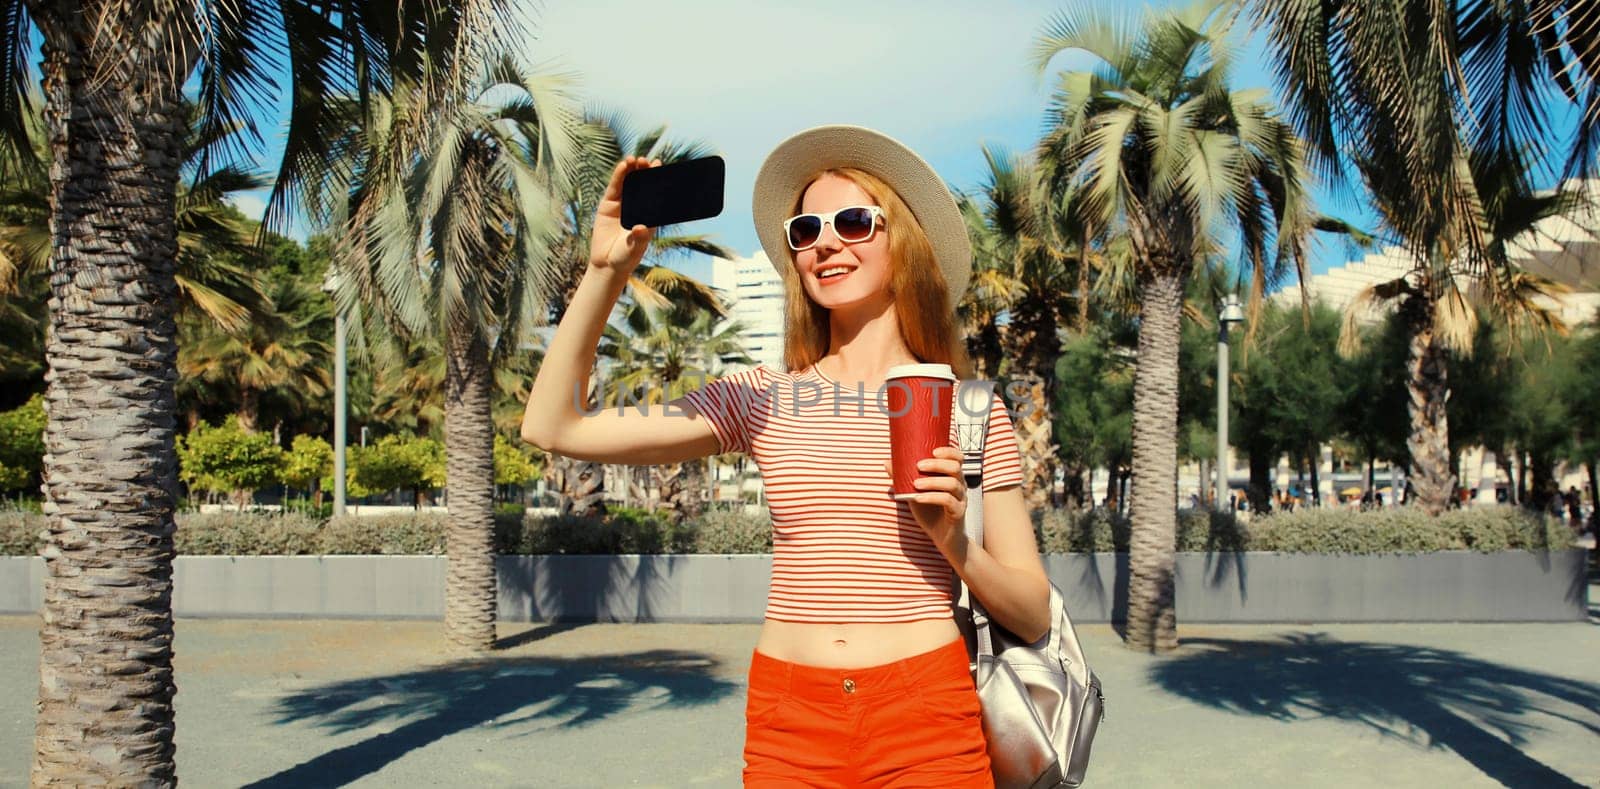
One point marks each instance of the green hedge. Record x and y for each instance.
(1409, 530)
(624, 530)
(1392, 530)
(627, 530)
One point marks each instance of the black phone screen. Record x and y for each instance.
(673, 193)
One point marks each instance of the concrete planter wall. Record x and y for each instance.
(1511, 586)
(1447, 586)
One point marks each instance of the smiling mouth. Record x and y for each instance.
(831, 274)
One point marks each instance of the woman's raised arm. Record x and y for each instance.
(555, 419)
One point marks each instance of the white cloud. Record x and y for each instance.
(941, 76)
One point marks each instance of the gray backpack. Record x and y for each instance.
(1041, 703)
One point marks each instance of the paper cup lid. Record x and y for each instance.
(920, 371)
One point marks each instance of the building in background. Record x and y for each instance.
(754, 292)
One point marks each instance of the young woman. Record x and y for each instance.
(860, 676)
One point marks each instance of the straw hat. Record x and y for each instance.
(790, 166)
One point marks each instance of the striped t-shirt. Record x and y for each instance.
(843, 549)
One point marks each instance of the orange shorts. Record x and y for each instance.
(911, 723)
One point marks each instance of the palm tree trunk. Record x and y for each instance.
(249, 410)
(1152, 555)
(1544, 483)
(1083, 284)
(1038, 449)
(105, 714)
(1074, 494)
(1513, 495)
(470, 592)
(1429, 388)
(1259, 493)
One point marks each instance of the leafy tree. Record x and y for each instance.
(1312, 374)
(1197, 388)
(22, 445)
(1540, 415)
(227, 458)
(1288, 396)
(309, 460)
(1290, 391)
(352, 483)
(512, 464)
(1093, 414)
(1373, 417)
(1578, 391)
(22, 322)
(397, 461)
(1483, 387)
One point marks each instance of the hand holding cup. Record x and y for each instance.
(940, 503)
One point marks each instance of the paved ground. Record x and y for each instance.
(380, 704)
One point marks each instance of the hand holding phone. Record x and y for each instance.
(612, 245)
(674, 193)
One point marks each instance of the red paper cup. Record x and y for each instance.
(918, 399)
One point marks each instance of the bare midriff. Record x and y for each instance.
(852, 644)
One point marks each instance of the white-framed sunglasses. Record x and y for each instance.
(851, 224)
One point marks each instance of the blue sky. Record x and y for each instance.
(944, 76)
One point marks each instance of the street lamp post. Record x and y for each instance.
(1231, 313)
(340, 397)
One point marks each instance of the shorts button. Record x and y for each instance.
(849, 686)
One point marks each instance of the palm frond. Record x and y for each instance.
(1109, 37)
(661, 286)
(1363, 305)
(672, 245)
(19, 99)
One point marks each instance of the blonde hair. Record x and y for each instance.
(916, 283)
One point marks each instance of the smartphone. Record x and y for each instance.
(673, 193)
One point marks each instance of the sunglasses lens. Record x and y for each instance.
(853, 224)
(803, 231)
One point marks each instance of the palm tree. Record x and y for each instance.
(407, 385)
(1426, 102)
(451, 218)
(113, 76)
(658, 355)
(580, 484)
(281, 353)
(1018, 247)
(1163, 152)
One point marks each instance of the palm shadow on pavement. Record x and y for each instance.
(1482, 711)
(515, 695)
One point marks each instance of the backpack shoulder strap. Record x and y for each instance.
(973, 400)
